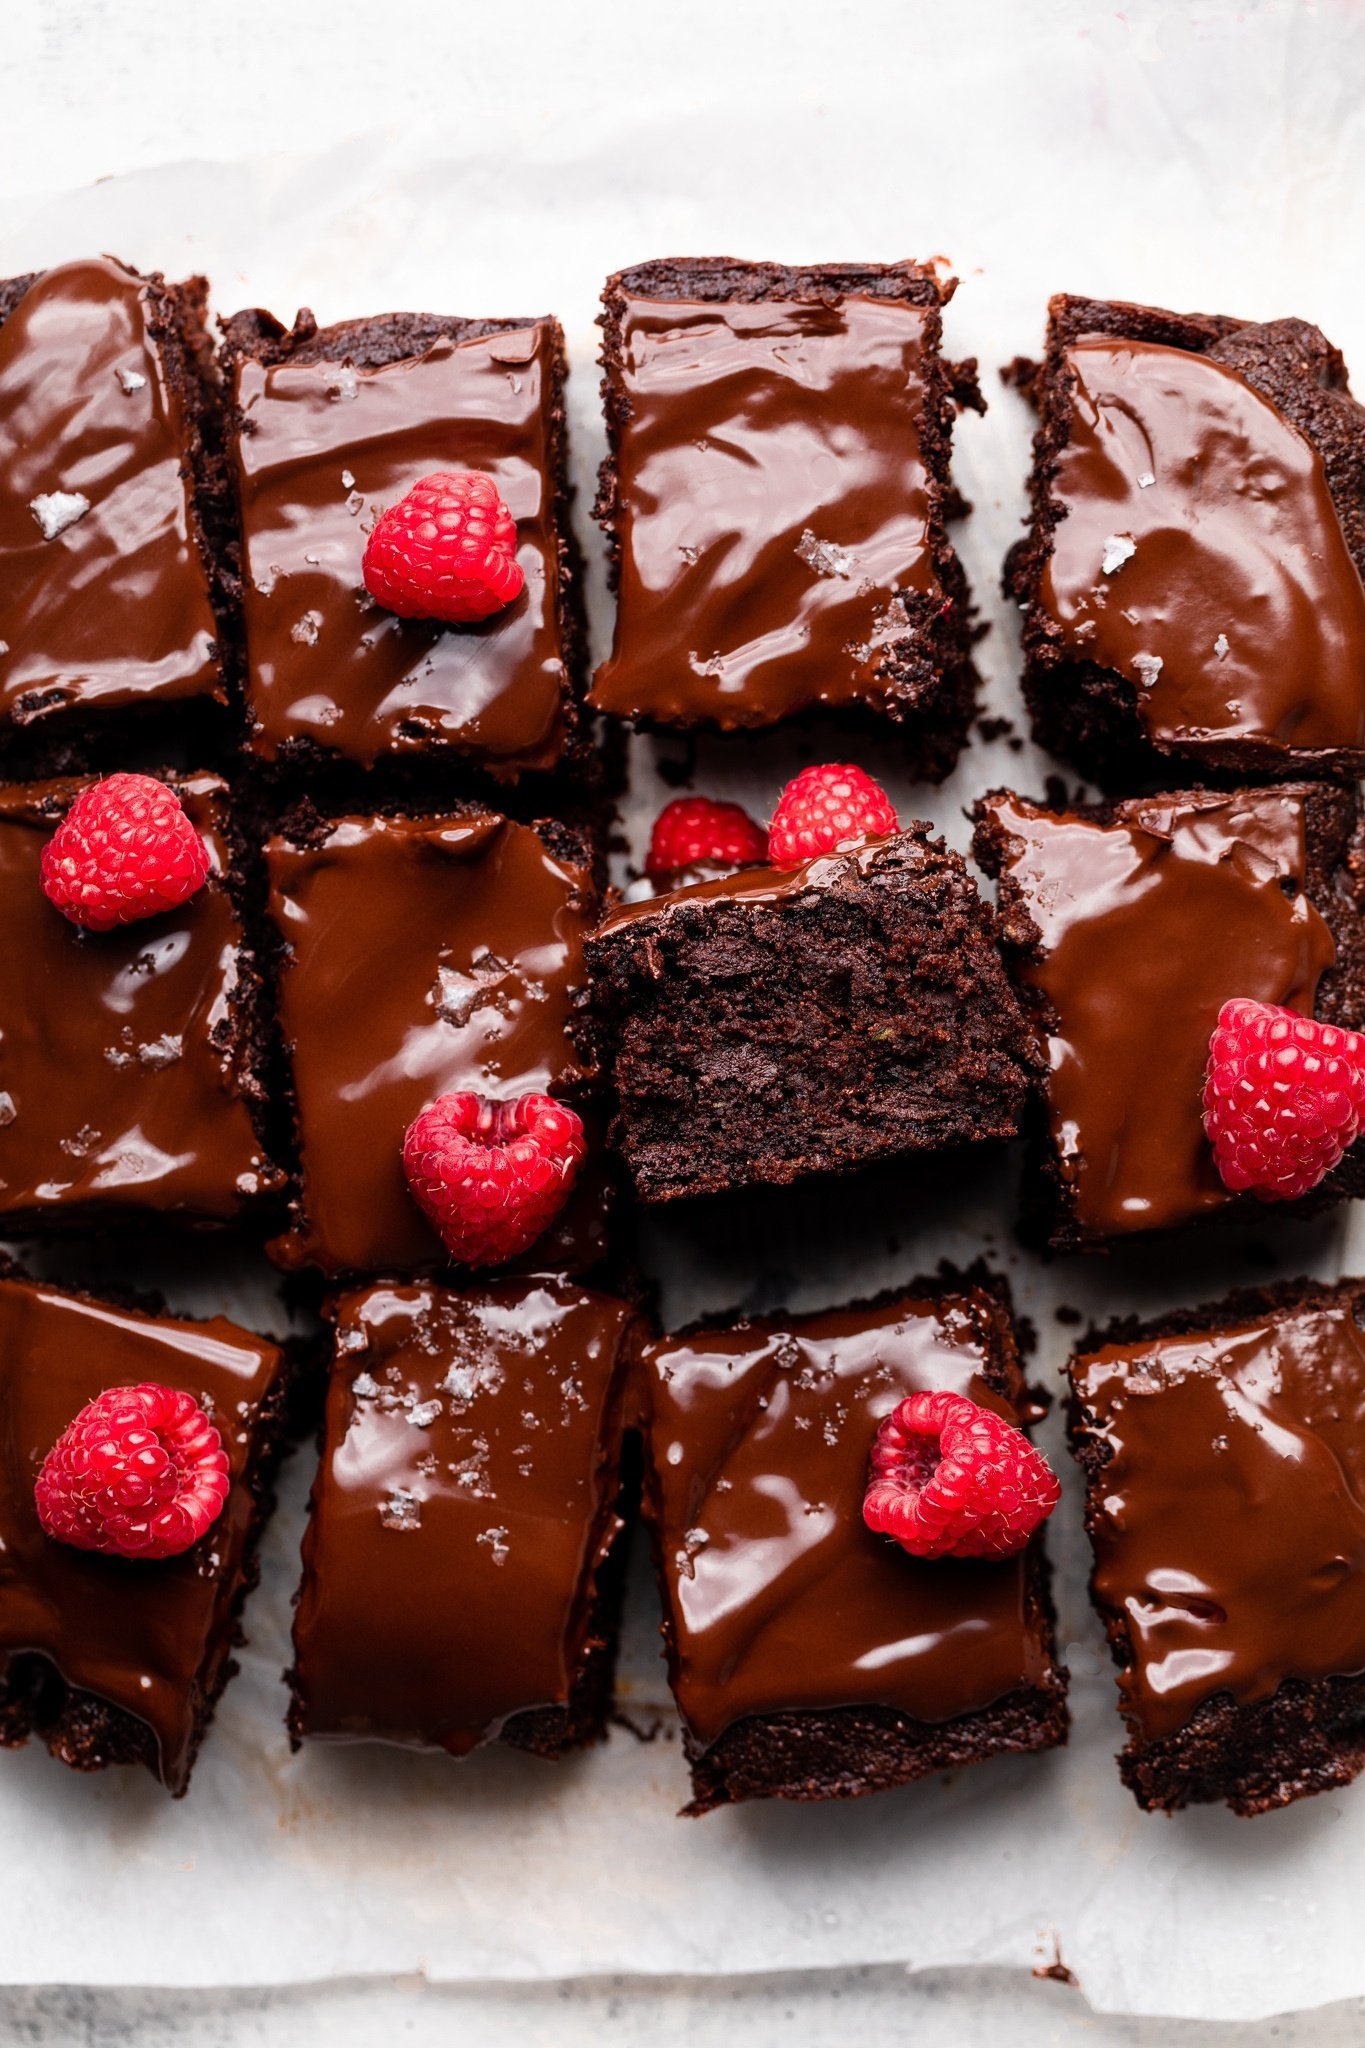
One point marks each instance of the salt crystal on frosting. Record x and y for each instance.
(424, 1414)
(1146, 480)
(1221, 648)
(132, 380)
(56, 510)
(1118, 549)
(1149, 667)
(824, 556)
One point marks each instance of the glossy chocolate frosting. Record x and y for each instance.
(1146, 925)
(1229, 1519)
(114, 609)
(150, 1639)
(772, 505)
(778, 1595)
(324, 448)
(126, 1057)
(467, 1496)
(1201, 555)
(423, 956)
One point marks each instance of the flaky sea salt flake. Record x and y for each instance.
(1118, 549)
(56, 510)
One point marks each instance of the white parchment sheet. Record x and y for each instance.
(1209, 156)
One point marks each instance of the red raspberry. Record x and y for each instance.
(949, 1478)
(448, 550)
(825, 807)
(1283, 1098)
(693, 828)
(490, 1177)
(141, 1472)
(125, 850)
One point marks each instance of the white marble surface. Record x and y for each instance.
(1195, 153)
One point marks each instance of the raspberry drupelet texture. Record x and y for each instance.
(694, 828)
(825, 807)
(490, 1177)
(949, 1478)
(1284, 1098)
(447, 551)
(141, 1472)
(124, 851)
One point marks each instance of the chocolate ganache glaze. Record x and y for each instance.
(709, 882)
(126, 1057)
(1146, 923)
(773, 506)
(151, 1639)
(1228, 1515)
(467, 1497)
(422, 956)
(323, 449)
(104, 595)
(1201, 555)
(778, 1595)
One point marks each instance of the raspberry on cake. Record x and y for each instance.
(1128, 926)
(1223, 1450)
(693, 831)
(778, 1023)
(124, 851)
(810, 1657)
(824, 808)
(445, 551)
(1284, 1099)
(776, 498)
(1191, 578)
(132, 1059)
(386, 410)
(113, 530)
(491, 1177)
(949, 1478)
(423, 957)
(120, 1658)
(462, 1564)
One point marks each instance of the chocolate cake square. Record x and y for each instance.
(1128, 926)
(810, 1658)
(1224, 1455)
(423, 956)
(328, 427)
(112, 517)
(110, 1660)
(1191, 577)
(462, 1564)
(132, 1061)
(773, 1024)
(776, 498)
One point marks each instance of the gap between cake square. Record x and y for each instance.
(111, 1660)
(776, 497)
(811, 1658)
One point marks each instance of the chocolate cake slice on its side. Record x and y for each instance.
(375, 405)
(810, 1658)
(1127, 927)
(777, 495)
(1191, 578)
(1224, 1455)
(463, 1559)
(774, 1024)
(110, 1660)
(115, 522)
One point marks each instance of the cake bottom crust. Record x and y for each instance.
(849, 1751)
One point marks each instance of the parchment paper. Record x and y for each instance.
(1192, 156)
